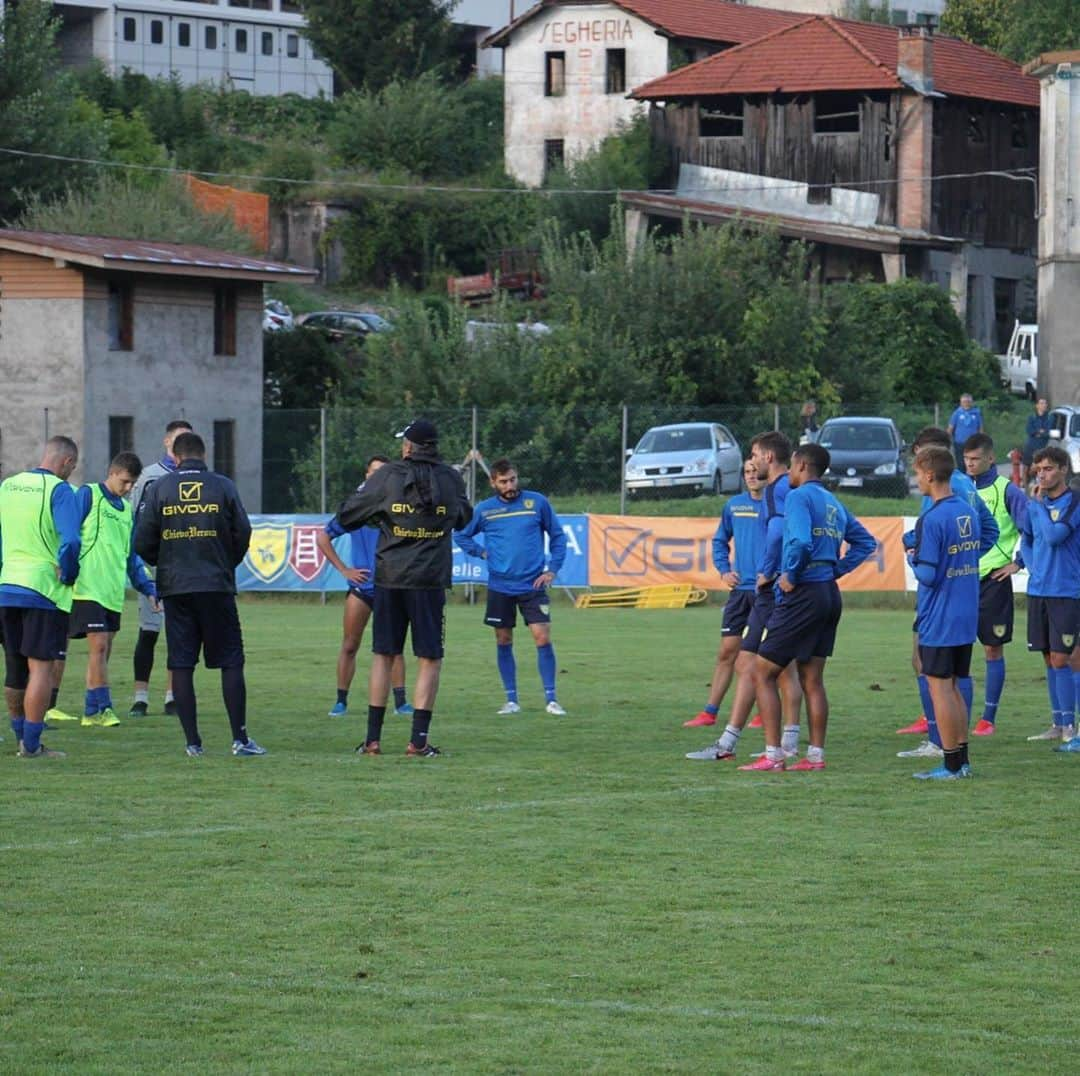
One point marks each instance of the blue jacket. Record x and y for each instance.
(740, 521)
(816, 524)
(513, 543)
(1050, 546)
(362, 545)
(964, 488)
(946, 563)
(772, 524)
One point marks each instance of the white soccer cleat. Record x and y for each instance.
(509, 708)
(925, 750)
(554, 708)
(1052, 733)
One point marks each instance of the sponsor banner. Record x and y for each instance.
(283, 555)
(639, 551)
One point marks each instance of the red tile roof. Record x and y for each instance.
(149, 256)
(821, 53)
(700, 20)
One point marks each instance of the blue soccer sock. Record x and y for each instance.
(927, 701)
(104, 697)
(545, 662)
(1051, 689)
(995, 684)
(17, 726)
(31, 737)
(91, 706)
(966, 687)
(708, 708)
(1065, 695)
(507, 669)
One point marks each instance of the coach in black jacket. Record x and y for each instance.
(192, 526)
(417, 503)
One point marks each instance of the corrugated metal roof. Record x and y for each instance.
(148, 255)
(821, 53)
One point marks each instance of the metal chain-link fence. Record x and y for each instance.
(312, 459)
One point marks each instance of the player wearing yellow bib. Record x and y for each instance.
(39, 550)
(106, 563)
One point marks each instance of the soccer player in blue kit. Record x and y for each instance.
(359, 602)
(1050, 548)
(514, 523)
(945, 560)
(803, 623)
(987, 534)
(740, 522)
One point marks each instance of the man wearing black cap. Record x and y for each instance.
(416, 502)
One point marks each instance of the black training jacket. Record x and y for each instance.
(192, 526)
(416, 503)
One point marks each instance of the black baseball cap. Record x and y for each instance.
(420, 432)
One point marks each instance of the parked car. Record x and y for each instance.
(1065, 433)
(867, 454)
(700, 456)
(485, 330)
(1020, 363)
(277, 316)
(338, 325)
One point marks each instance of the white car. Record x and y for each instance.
(1065, 433)
(1020, 363)
(699, 456)
(276, 316)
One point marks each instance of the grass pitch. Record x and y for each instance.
(552, 895)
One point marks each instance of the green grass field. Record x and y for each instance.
(552, 895)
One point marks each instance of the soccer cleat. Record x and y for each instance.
(1070, 747)
(1052, 733)
(90, 721)
(943, 774)
(427, 751)
(194, 750)
(804, 765)
(107, 719)
(756, 722)
(41, 752)
(766, 765)
(250, 748)
(509, 708)
(1067, 733)
(339, 709)
(700, 721)
(983, 728)
(555, 708)
(404, 710)
(925, 750)
(138, 709)
(712, 753)
(54, 714)
(370, 748)
(170, 708)
(919, 727)
(787, 754)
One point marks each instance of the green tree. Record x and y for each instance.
(301, 369)
(38, 110)
(370, 43)
(1043, 26)
(982, 22)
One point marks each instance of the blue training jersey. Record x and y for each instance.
(772, 527)
(946, 562)
(965, 423)
(513, 544)
(362, 545)
(1050, 546)
(740, 522)
(816, 525)
(964, 488)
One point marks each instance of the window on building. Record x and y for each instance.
(210, 37)
(291, 7)
(554, 155)
(121, 434)
(130, 29)
(1004, 310)
(183, 34)
(267, 43)
(836, 113)
(1018, 133)
(554, 74)
(722, 118)
(121, 316)
(615, 77)
(157, 32)
(240, 41)
(224, 320)
(899, 16)
(239, 3)
(292, 46)
(976, 128)
(225, 447)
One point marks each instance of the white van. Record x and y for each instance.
(1020, 363)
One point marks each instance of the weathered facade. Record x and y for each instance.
(107, 340)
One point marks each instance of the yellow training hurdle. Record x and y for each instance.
(666, 596)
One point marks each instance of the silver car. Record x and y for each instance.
(1065, 433)
(699, 456)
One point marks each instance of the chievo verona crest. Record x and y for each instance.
(275, 547)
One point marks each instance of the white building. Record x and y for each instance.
(253, 45)
(903, 12)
